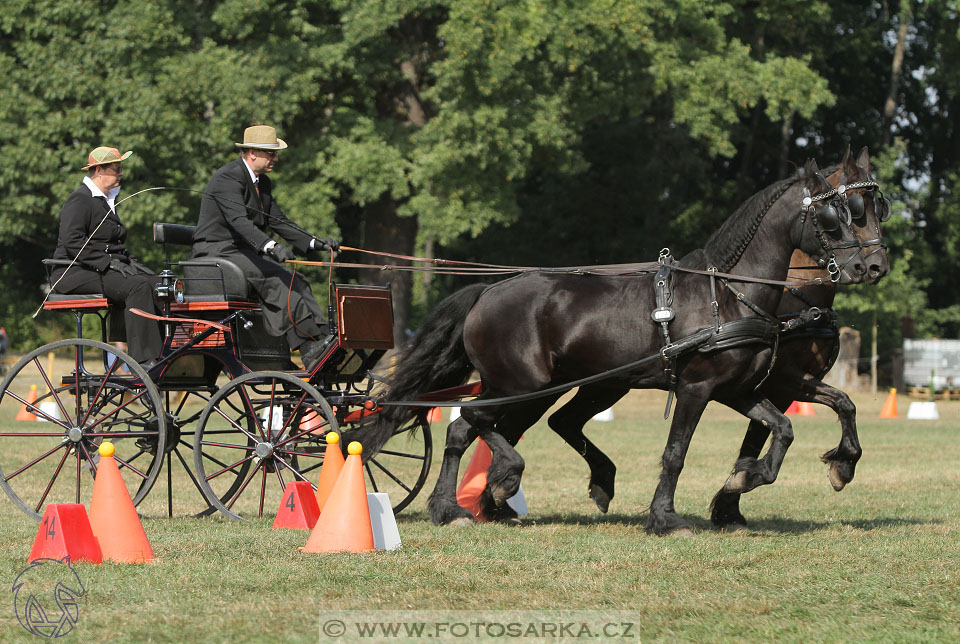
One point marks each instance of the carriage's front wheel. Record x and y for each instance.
(58, 404)
(259, 432)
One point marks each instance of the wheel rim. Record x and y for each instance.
(55, 461)
(259, 432)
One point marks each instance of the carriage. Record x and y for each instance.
(224, 406)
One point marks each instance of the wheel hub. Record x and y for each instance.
(264, 450)
(75, 434)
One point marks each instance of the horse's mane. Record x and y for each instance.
(727, 244)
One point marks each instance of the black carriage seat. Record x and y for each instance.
(213, 279)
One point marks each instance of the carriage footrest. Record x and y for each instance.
(75, 302)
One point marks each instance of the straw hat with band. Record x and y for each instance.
(261, 137)
(104, 155)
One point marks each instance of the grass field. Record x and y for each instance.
(878, 562)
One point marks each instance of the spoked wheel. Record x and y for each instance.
(84, 392)
(259, 432)
(400, 469)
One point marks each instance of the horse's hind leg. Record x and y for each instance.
(442, 505)
(506, 464)
(568, 422)
(750, 472)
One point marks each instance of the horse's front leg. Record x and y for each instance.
(842, 459)
(442, 504)
(749, 472)
(663, 517)
(725, 507)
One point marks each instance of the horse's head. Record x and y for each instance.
(825, 229)
(868, 208)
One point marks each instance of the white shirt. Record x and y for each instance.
(111, 195)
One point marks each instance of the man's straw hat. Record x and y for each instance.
(104, 155)
(261, 137)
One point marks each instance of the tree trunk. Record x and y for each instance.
(896, 72)
(384, 231)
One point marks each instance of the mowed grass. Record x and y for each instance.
(877, 562)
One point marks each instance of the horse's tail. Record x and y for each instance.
(434, 358)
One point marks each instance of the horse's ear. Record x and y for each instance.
(849, 168)
(823, 182)
(863, 159)
(810, 168)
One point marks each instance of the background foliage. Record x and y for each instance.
(529, 132)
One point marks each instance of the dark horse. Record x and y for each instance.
(541, 329)
(803, 357)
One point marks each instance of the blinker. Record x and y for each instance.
(829, 218)
(855, 202)
(881, 206)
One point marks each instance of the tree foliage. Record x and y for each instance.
(528, 132)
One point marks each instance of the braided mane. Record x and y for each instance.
(728, 243)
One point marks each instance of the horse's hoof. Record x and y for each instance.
(600, 497)
(734, 527)
(462, 521)
(736, 483)
(833, 473)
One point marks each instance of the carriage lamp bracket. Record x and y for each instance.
(169, 288)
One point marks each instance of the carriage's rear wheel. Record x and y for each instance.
(58, 404)
(400, 469)
(259, 432)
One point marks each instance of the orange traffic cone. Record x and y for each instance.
(23, 414)
(435, 415)
(890, 407)
(330, 470)
(344, 523)
(113, 517)
(806, 409)
(794, 408)
(475, 480)
(312, 422)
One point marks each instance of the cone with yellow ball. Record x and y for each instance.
(330, 470)
(113, 516)
(344, 523)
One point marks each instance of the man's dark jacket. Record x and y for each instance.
(231, 210)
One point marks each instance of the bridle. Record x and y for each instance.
(843, 208)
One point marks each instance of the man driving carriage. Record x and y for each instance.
(236, 215)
